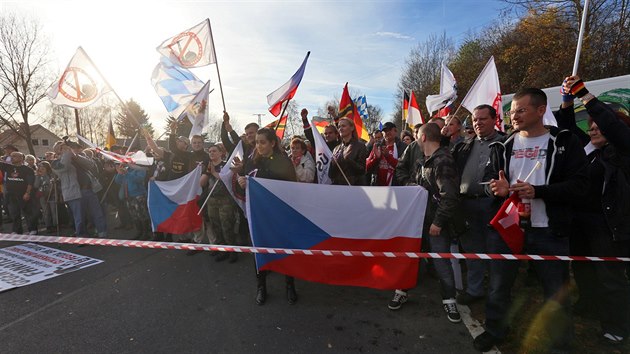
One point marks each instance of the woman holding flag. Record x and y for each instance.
(350, 156)
(269, 162)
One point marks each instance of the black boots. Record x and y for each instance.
(291, 294)
(261, 292)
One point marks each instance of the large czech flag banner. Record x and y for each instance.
(324, 217)
(173, 204)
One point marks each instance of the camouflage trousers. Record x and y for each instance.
(222, 218)
(138, 208)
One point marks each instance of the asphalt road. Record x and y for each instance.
(162, 301)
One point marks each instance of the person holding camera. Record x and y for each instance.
(383, 158)
(79, 187)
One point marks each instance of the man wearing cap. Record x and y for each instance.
(383, 158)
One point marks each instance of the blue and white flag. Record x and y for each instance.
(362, 107)
(175, 85)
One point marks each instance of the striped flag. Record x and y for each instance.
(405, 107)
(414, 116)
(347, 109)
(280, 127)
(286, 91)
(111, 138)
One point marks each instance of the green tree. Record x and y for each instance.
(127, 120)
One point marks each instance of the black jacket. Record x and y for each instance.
(408, 163)
(565, 171)
(614, 191)
(440, 178)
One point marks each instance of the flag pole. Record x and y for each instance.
(208, 197)
(578, 50)
(282, 115)
(216, 61)
(112, 181)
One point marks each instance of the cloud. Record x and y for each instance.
(394, 35)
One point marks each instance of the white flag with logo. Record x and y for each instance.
(323, 157)
(486, 90)
(80, 85)
(192, 48)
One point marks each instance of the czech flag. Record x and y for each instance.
(323, 217)
(286, 91)
(173, 204)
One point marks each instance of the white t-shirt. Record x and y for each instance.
(525, 153)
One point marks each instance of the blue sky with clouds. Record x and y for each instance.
(259, 44)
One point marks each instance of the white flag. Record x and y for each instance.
(486, 90)
(230, 179)
(192, 48)
(323, 157)
(197, 111)
(80, 84)
(448, 91)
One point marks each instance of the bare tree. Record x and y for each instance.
(422, 71)
(24, 74)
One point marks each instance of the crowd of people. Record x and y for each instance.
(574, 188)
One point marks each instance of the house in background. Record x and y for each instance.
(42, 139)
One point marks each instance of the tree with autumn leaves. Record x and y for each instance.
(533, 43)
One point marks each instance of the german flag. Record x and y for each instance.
(347, 109)
(405, 107)
(111, 138)
(279, 127)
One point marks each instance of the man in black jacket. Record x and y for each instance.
(556, 164)
(471, 157)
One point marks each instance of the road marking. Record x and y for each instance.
(474, 327)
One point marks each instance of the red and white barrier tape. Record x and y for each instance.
(245, 249)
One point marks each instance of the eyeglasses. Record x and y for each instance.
(518, 111)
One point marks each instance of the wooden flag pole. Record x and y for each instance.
(578, 50)
(216, 61)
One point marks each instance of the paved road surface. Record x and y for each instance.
(160, 301)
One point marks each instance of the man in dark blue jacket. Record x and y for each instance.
(555, 163)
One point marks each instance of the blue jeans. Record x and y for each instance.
(443, 268)
(554, 276)
(478, 214)
(88, 204)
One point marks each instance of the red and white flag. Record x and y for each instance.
(486, 90)
(80, 84)
(192, 48)
(506, 222)
(414, 116)
(286, 91)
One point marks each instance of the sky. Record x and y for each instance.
(259, 45)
